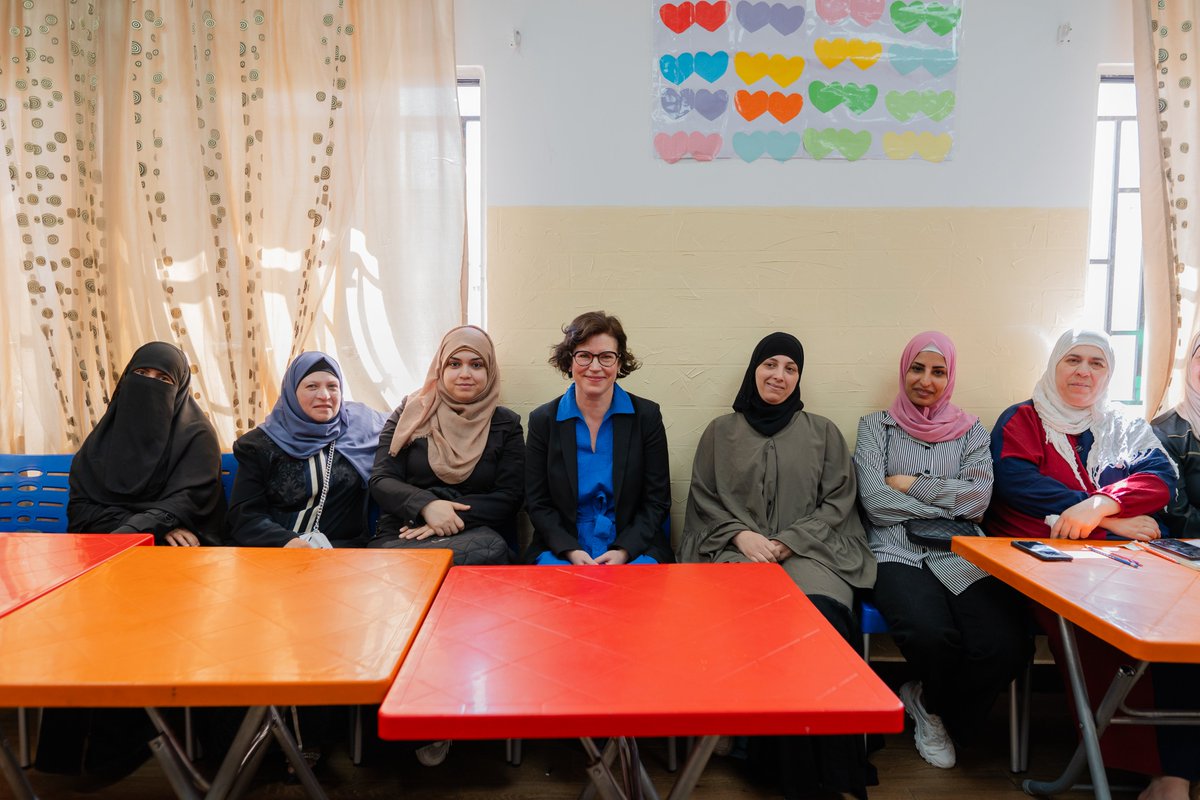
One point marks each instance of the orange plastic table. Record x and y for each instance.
(220, 627)
(656, 650)
(1151, 613)
(32, 564)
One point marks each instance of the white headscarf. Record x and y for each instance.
(1189, 406)
(1119, 439)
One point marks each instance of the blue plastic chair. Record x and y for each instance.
(1018, 692)
(229, 467)
(33, 493)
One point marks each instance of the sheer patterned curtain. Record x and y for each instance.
(1166, 49)
(247, 180)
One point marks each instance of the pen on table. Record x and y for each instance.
(1129, 562)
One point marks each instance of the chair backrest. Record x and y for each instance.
(229, 467)
(33, 492)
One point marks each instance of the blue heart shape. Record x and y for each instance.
(677, 69)
(782, 146)
(749, 146)
(711, 66)
(905, 59)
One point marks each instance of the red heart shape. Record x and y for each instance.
(785, 107)
(678, 17)
(711, 16)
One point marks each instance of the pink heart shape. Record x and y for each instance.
(833, 11)
(866, 12)
(704, 148)
(671, 147)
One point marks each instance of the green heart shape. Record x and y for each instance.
(938, 105)
(827, 96)
(852, 144)
(907, 17)
(906, 105)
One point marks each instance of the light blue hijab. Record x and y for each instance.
(355, 428)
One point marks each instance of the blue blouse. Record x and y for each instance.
(596, 514)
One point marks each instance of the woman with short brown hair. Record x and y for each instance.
(597, 482)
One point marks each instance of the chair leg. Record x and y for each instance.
(1026, 701)
(512, 751)
(672, 755)
(23, 747)
(356, 737)
(1019, 692)
(1014, 727)
(867, 647)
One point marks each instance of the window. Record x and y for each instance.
(1114, 277)
(470, 111)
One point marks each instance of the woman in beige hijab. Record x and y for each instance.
(450, 468)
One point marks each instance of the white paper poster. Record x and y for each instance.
(848, 79)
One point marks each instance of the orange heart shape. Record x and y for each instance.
(785, 107)
(751, 106)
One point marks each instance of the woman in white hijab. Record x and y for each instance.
(1069, 453)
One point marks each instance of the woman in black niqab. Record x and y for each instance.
(152, 464)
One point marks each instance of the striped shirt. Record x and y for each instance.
(954, 480)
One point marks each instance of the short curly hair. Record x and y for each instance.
(584, 327)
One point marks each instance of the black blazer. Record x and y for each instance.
(405, 484)
(641, 482)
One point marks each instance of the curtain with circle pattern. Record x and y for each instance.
(1166, 53)
(245, 179)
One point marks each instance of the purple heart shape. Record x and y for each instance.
(711, 104)
(753, 15)
(786, 19)
(677, 104)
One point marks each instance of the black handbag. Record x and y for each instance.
(936, 533)
(933, 533)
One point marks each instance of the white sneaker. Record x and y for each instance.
(433, 754)
(933, 743)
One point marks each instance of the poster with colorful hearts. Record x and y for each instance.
(823, 79)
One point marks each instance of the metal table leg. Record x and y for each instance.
(295, 757)
(603, 783)
(693, 768)
(1091, 726)
(13, 773)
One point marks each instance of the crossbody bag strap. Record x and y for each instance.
(316, 525)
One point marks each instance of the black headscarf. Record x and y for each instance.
(152, 450)
(762, 416)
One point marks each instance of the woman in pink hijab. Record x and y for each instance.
(962, 631)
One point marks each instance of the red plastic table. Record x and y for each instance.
(221, 626)
(656, 650)
(32, 564)
(1151, 613)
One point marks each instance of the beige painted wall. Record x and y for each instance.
(696, 288)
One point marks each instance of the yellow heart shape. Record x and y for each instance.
(751, 67)
(831, 52)
(900, 146)
(784, 70)
(864, 54)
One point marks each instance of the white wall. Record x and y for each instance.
(567, 117)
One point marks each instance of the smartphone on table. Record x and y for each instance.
(1185, 550)
(1041, 550)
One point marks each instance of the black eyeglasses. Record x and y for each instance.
(584, 359)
